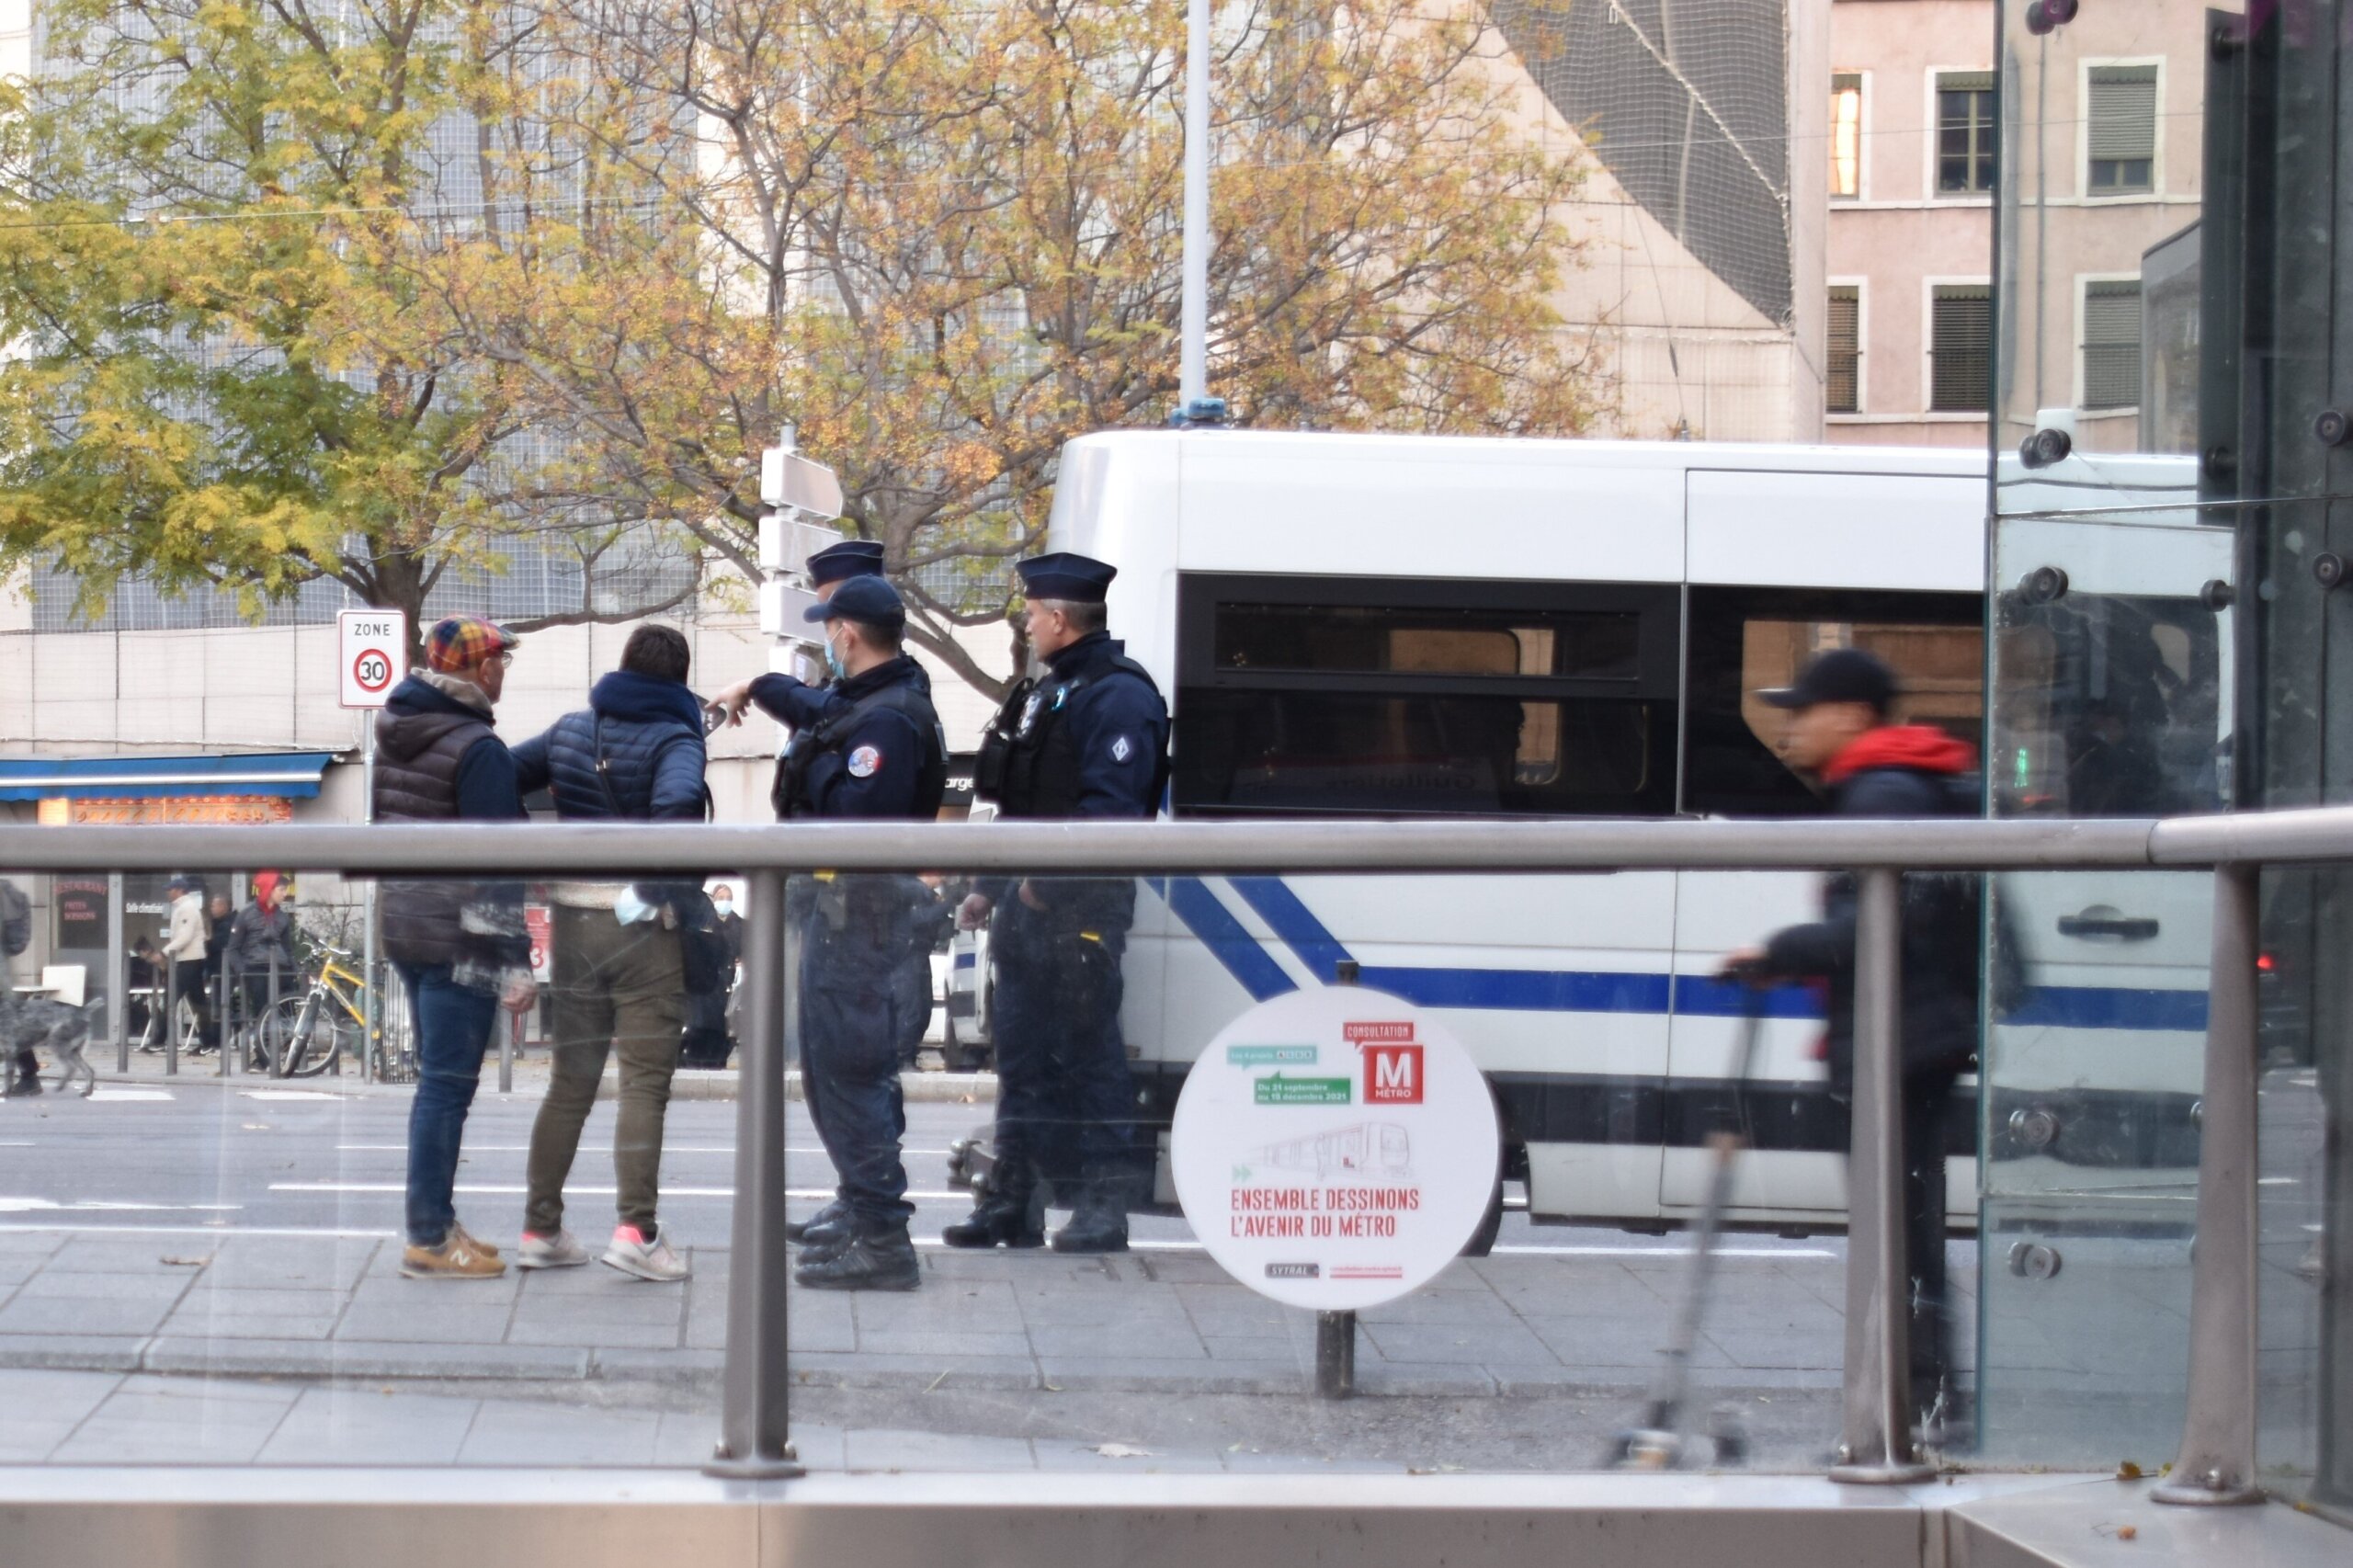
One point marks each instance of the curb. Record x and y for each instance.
(690, 1083)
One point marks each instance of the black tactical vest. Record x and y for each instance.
(790, 794)
(1028, 758)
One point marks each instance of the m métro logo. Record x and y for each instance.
(1393, 1075)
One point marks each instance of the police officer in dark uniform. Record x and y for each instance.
(828, 570)
(1088, 737)
(869, 745)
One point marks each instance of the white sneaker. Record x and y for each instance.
(561, 1250)
(632, 1254)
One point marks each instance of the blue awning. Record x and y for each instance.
(292, 774)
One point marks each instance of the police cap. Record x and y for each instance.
(868, 601)
(1077, 579)
(851, 558)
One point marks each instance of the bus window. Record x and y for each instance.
(1743, 641)
(1300, 695)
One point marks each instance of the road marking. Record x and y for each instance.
(376, 1234)
(128, 1095)
(292, 1094)
(1662, 1252)
(668, 1149)
(501, 1189)
(89, 1205)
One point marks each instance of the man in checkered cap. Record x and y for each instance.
(460, 948)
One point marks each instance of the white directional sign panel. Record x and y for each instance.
(1334, 1148)
(372, 650)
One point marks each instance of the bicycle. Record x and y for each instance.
(306, 1034)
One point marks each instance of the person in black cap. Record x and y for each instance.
(1086, 738)
(837, 563)
(1840, 733)
(870, 747)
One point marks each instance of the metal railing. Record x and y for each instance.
(2216, 1463)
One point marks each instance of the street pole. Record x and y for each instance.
(370, 962)
(117, 976)
(1193, 364)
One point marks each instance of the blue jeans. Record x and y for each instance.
(452, 1024)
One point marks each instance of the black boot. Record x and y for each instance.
(1002, 1219)
(833, 1216)
(878, 1257)
(1100, 1222)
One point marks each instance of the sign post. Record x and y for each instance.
(1334, 1149)
(371, 652)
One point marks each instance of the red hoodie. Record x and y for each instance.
(1920, 747)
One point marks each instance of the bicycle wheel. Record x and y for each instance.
(330, 1038)
(289, 1036)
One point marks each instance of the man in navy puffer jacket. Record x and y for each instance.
(636, 753)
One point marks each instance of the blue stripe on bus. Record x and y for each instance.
(1587, 991)
(1223, 934)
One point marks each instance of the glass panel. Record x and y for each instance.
(1846, 136)
(1585, 646)
(1242, 753)
(205, 1214)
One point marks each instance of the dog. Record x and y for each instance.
(26, 1022)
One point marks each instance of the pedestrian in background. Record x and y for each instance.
(1841, 733)
(185, 946)
(16, 936)
(1088, 737)
(261, 936)
(870, 747)
(459, 946)
(218, 914)
(635, 753)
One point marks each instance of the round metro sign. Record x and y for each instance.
(1334, 1148)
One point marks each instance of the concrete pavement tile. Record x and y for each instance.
(230, 1326)
(516, 1434)
(1526, 1381)
(197, 1423)
(311, 1268)
(439, 1322)
(1164, 1342)
(1139, 1374)
(1480, 1308)
(821, 1447)
(597, 1336)
(1781, 1347)
(18, 1267)
(885, 1450)
(1140, 1304)
(80, 1315)
(110, 1254)
(969, 1306)
(411, 1295)
(346, 1425)
(685, 1438)
(868, 1368)
(52, 1283)
(944, 1343)
(359, 1359)
(39, 1410)
(618, 1303)
(1602, 1342)
(803, 1331)
(206, 1301)
(1231, 1311)
(31, 1244)
(1481, 1344)
(1247, 1461)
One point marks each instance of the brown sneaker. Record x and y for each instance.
(458, 1257)
(457, 1232)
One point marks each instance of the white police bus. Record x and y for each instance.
(1378, 628)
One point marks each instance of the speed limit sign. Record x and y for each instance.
(373, 648)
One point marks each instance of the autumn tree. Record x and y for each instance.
(942, 237)
(230, 233)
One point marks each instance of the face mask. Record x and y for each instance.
(833, 661)
(724, 905)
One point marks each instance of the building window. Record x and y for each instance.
(2112, 344)
(1846, 136)
(2124, 115)
(1845, 378)
(1960, 348)
(1965, 138)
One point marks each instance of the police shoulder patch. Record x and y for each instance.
(1123, 749)
(864, 761)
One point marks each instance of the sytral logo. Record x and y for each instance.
(1294, 1271)
(1393, 1075)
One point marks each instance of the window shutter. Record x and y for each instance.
(1960, 349)
(2124, 111)
(1843, 391)
(1965, 82)
(2111, 345)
